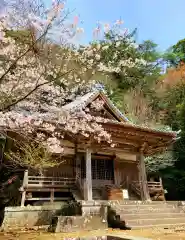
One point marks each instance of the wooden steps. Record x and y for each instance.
(111, 192)
(97, 194)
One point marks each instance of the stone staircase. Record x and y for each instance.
(154, 214)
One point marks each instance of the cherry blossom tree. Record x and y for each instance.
(40, 67)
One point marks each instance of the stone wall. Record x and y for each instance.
(28, 217)
(40, 216)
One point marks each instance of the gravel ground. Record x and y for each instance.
(155, 234)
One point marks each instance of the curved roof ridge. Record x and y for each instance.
(83, 101)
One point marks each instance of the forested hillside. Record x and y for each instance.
(156, 98)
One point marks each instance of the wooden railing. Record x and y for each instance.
(49, 182)
(136, 186)
(155, 185)
(43, 183)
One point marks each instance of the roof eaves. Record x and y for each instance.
(147, 129)
(117, 112)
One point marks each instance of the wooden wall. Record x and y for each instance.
(125, 172)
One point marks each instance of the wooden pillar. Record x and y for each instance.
(78, 167)
(24, 186)
(161, 184)
(88, 182)
(143, 178)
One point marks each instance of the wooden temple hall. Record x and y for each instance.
(98, 171)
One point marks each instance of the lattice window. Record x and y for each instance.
(109, 166)
(102, 169)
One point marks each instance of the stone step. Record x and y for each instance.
(131, 202)
(156, 221)
(163, 216)
(160, 226)
(146, 207)
(149, 211)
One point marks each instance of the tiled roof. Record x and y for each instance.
(83, 101)
(143, 128)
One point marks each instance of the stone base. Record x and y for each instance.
(77, 223)
(94, 208)
(16, 218)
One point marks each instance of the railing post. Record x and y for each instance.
(24, 186)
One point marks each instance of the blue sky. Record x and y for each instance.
(162, 21)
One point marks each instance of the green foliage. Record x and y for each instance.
(179, 146)
(154, 164)
(123, 47)
(172, 102)
(176, 53)
(120, 87)
(30, 155)
(172, 166)
(21, 36)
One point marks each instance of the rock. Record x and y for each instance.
(114, 220)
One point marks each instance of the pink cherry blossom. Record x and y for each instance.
(37, 77)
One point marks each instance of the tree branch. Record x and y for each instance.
(22, 55)
(28, 94)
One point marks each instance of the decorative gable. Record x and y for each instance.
(98, 104)
(100, 108)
